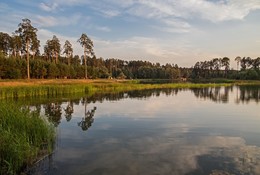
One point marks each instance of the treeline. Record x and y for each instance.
(14, 68)
(220, 68)
(20, 57)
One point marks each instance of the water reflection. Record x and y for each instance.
(226, 154)
(216, 94)
(53, 112)
(186, 136)
(143, 94)
(249, 93)
(154, 155)
(243, 94)
(69, 111)
(88, 119)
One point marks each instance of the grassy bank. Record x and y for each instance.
(24, 137)
(228, 81)
(55, 88)
(13, 89)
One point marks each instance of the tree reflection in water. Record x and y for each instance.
(216, 94)
(69, 111)
(243, 94)
(221, 94)
(248, 93)
(211, 153)
(53, 112)
(88, 119)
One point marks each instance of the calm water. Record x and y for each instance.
(181, 132)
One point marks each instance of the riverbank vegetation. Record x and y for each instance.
(55, 88)
(24, 137)
(59, 88)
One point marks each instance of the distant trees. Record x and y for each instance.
(68, 51)
(249, 68)
(28, 37)
(35, 47)
(238, 59)
(16, 50)
(87, 44)
(225, 63)
(52, 49)
(4, 43)
(220, 68)
(217, 67)
(16, 45)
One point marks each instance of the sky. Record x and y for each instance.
(166, 31)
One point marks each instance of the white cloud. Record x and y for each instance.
(110, 13)
(215, 11)
(209, 10)
(120, 3)
(50, 21)
(46, 21)
(72, 2)
(48, 7)
(103, 29)
(175, 26)
(219, 11)
(144, 48)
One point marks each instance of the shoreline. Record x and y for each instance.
(59, 87)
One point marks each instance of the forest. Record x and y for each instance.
(20, 58)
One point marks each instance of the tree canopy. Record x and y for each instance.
(58, 61)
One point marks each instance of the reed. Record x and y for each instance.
(24, 137)
(56, 89)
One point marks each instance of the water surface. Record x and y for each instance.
(179, 131)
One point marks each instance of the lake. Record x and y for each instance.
(170, 131)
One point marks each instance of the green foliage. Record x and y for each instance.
(23, 135)
(5, 43)
(38, 68)
(28, 36)
(219, 68)
(52, 48)
(53, 71)
(24, 41)
(250, 74)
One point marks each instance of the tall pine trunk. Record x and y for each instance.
(85, 62)
(56, 58)
(28, 57)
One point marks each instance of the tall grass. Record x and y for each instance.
(42, 90)
(24, 136)
(57, 90)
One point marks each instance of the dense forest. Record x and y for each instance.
(20, 57)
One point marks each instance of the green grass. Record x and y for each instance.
(60, 88)
(56, 90)
(224, 80)
(24, 137)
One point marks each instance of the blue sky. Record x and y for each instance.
(165, 31)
